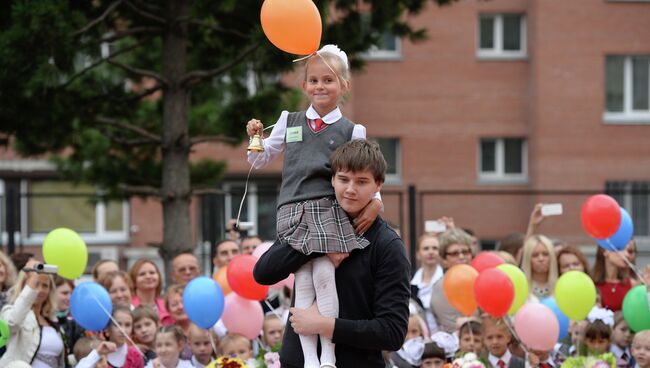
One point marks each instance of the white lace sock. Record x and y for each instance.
(328, 302)
(305, 296)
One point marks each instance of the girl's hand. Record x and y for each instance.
(253, 127)
(367, 216)
(337, 258)
(533, 359)
(106, 347)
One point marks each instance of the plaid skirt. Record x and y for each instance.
(318, 225)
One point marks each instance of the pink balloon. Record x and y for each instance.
(243, 316)
(537, 326)
(261, 249)
(288, 282)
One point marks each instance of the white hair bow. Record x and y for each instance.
(446, 342)
(412, 351)
(603, 314)
(334, 49)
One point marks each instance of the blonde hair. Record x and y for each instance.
(529, 247)
(334, 62)
(10, 271)
(231, 338)
(175, 289)
(48, 308)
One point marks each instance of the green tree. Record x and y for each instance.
(128, 87)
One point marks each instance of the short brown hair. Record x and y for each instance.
(570, 249)
(598, 330)
(359, 155)
(145, 311)
(451, 237)
(107, 280)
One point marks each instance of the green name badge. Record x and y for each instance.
(294, 134)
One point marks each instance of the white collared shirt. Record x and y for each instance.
(274, 145)
(617, 351)
(424, 293)
(494, 360)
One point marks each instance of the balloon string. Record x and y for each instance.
(214, 346)
(241, 204)
(514, 334)
(272, 309)
(118, 325)
(627, 261)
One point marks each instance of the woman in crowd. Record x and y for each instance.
(119, 286)
(147, 288)
(570, 258)
(429, 272)
(539, 265)
(7, 277)
(34, 334)
(611, 277)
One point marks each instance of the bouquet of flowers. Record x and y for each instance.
(598, 361)
(227, 362)
(268, 358)
(469, 360)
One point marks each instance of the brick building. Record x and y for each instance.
(508, 103)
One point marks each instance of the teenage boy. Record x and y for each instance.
(372, 283)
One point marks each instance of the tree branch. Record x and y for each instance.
(138, 71)
(98, 20)
(143, 190)
(130, 32)
(136, 129)
(216, 28)
(201, 191)
(145, 13)
(212, 138)
(145, 93)
(196, 76)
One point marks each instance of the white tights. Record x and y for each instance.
(315, 280)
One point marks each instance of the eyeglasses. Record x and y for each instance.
(464, 252)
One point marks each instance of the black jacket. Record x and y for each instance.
(373, 286)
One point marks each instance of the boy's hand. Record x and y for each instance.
(253, 127)
(533, 359)
(106, 347)
(337, 258)
(310, 322)
(367, 216)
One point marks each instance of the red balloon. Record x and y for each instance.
(486, 260)
(494, 292)
(240, 278)
(601, 216)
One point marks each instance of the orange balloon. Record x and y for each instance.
(222, 280)
(293, 26)
(459, 288)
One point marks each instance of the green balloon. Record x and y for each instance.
(65, 249)
(520, 283)
(575, 294)
(4, 333)
(635, 308)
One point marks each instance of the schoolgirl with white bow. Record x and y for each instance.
(598, 332)
(309, 218)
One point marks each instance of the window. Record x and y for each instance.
(635, 198)
(627, 85)
(390, 148)
(259, 207)
(388, 46)
(503, 160)
(501, 36)
(46, 205)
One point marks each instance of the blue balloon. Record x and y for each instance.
(623, 235)
(91, 306)
(203, 301)
(561, 317)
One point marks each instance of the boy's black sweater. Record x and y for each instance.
(373, 286)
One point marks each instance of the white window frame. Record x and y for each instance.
(497, 52)
(628, 116)
(499, 176)
(100, 236)
(396, 178)
(378, 54)
(627, 203)
(251, 203)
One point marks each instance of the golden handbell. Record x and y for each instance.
(256, 144)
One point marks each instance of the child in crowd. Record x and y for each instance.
(201, 346)
(409, 354)
(272, 331)
(439, 351)
(306, 201)
(471, 338)
(145, 326)
(621, 339)
(120, 354)
(577, 331)
(84, 347)
(236, 346)
(641, 349)
(598, 332)
(496, 338)
(170, 342)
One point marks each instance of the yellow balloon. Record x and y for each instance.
(520, 283)
(65, 249)
(575, 294)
